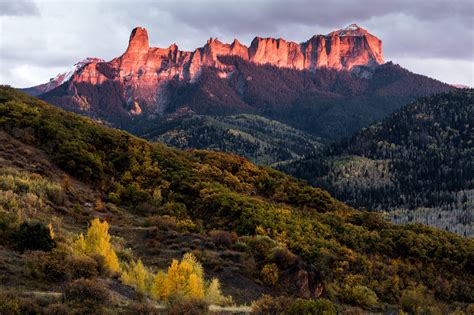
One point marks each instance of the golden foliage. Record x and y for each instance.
(270, 274)
(137, 276)
(97, 242)
(185, 279)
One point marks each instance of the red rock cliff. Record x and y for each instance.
(142, 69)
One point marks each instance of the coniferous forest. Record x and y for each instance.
(418, 163)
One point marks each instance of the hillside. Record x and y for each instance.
(261, 140)
(256, 229)
(418, 162)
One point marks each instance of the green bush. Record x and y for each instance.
(415, 300)
(9, 305)
(312, 307)
(360, 295)
(34, 236)
(269, 305)
(12, 305)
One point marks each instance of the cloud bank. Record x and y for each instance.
(39, 39)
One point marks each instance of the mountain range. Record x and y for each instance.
(329, 86)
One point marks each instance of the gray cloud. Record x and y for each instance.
(18, 8)
(54, 35)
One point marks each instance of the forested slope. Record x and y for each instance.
(346, 255)
(419, 157)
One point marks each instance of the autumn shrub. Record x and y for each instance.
(12, 304)
(270, 274)
(222, 239)
(312, 307)
(188, 307)
(174, 209)
(162, 222)
(9, 305)
(187, 226)
(359, 295)
(57, 309)
(50, 266)
(34, 236)
(87, 292)
(260, 246)
(283, 258)
(415, 300)
(267, 305)
(82, 267)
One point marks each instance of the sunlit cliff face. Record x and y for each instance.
(142, 69)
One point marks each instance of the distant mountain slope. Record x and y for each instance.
(422, 156)
(261, 140)
(326, 103)
(317, 245)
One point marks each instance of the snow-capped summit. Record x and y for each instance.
(61, 77)
(351, 30)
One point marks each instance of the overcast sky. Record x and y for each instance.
(39, 39)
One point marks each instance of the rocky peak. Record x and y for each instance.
(138, 41)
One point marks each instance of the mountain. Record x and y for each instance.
(256, 229)
(418, 163)
(329, 86)
(261, 140)
(60, 78)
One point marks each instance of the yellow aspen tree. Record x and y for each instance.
(177, 277)
(160, 287)
(213, 293)
(97, 242)
(79, 245)
(194, 263)
(137, 276)
(195, 287)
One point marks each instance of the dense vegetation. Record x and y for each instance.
(326, 103)
(261, 140)
(348, 256)
(417, 158)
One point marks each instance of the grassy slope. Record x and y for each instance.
(345, 247)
